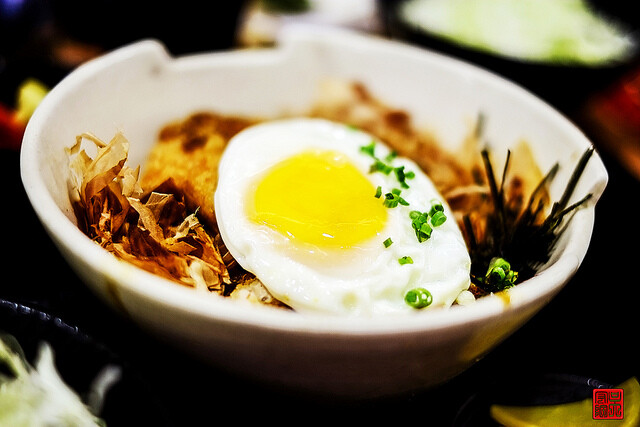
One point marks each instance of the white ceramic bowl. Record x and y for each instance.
(139, 88)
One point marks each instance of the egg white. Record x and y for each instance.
(363, 280)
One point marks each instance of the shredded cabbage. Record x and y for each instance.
(556, 31)
(34, 396)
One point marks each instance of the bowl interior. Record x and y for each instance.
(139, 88)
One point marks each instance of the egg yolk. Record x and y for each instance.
(318, 198)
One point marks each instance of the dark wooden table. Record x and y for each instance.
(589, 329)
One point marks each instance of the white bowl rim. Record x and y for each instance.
(168, 294)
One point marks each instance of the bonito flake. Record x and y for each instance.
(150, 229)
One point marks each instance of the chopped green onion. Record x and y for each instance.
(384, 165)
(393, 199)
(438, 218)
(369, 149)
(426, 229)
(388, 242)
(419, 223)
(392, 155)
(418, 298)
(401, 176)
(378, 192)
(390, 201)
(380, 166)
(405, 260)
(420, 220)
(436, 206)
(499, 275)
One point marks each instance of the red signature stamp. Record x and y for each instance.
(608, 404)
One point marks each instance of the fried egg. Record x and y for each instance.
(324, 215)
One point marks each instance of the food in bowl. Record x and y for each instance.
(299, 205)
(348, 209)
(566, 32)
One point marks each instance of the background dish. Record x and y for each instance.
(316, 354)
(79, 358)
(562, 85)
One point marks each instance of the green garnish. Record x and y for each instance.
(380, 166)
(517, 229)
(499, 275)
(438, 218)
(384, 166)
(405, 260)
(423, 222)
(436, 206)
(392, 155)
(378, 192)
(393, 199)
(388, 242)
(420, 224)
(369, 149)
(402, 176)
(418, 298)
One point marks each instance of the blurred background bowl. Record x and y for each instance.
(565, 85)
